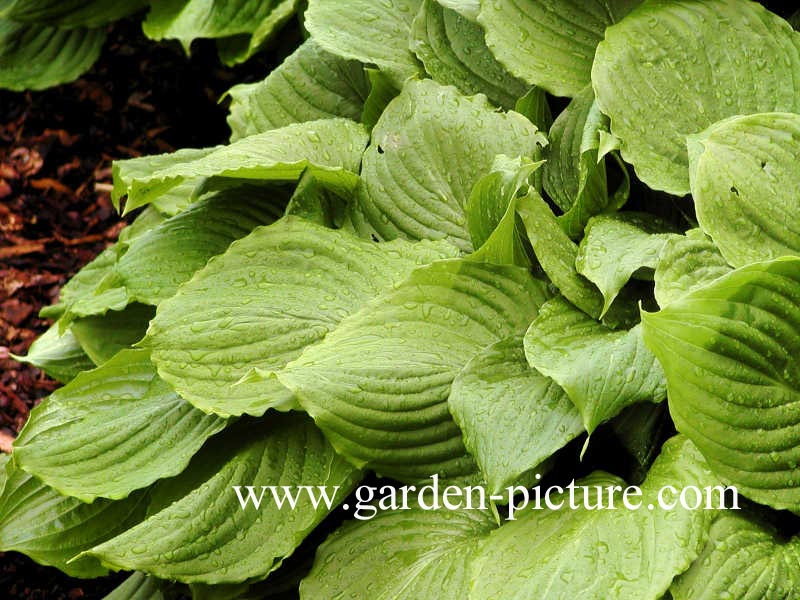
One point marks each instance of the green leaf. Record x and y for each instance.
(575, 173)
(370, 32)
(453, 51)
(35, 56)
(112, 430)
(557, 253)
(534, 106)
(599, 554)
(417, 173)
(381, 92)
(602, 370)
(310, 84)
(378, 384)
(745, 186)
(672, 68)
(139, 586)
(330, 148)
(418, 554)
(617, 246)
(744, 558)
(272, 293)
(512, 417)
(68, 13)
(731, 352)
(101, 337)
(550, 43)
(492, 212)
(238, 48)
(52, 529)
(59, 355)
(468, 9)
(201, 532)
(687, 263)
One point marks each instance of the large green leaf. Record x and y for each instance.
(330, 148)
(378, 384)
(686, 263)
(557, 253)
(428, 149)
(35, 56)
(453, 51)
(745, 184)
(59, 355)
(575, 172)
(599, 554)
(512, 417)
(310, 84)
(198, 531)
(68, 13)
(550, 43)
(743, 559)
(602, 370)
(413, 553)
(53, 529)
(270, 295)
(731, 352)
(370, 32)
(112, 430)
(672, 68)
(617, 246)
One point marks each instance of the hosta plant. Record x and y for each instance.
(501, 244)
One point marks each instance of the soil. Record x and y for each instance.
(56, 149)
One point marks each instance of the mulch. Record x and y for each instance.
(56, 149)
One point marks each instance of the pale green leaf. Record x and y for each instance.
(512, 417)
(557, 253)
(381, 92)
(687, 263)
(197, 530)
(102, 336)
(599, 554)
(59, 355)
(378, 384)
(602, 370)
(35, 56)
(412, 553)
(744, 559)
(468, 9)
(112, 430)
(745, 185)
(731, 352)
(310, 84)
(418, 172)
(550, 43)
(453, 51)
(330, 148)
(270, 295)
(53, 529)
(616, 246)
(370, 32)
(673, 67)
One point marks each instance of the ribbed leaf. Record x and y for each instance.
(602, 370)
(202, 534)
(453, 51)
(378, 384)
(370, 32)
(35, 56)
(512, 417)
(672, 68)
(550, 43)
(731, 352)
(112, 430)
(599, 554)
(53, 529)
(68, 13)
(238, 48)
(412, 553)
(270, 295)
(310, 84)
(58, 355)
(417, 174)
(745, 185)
